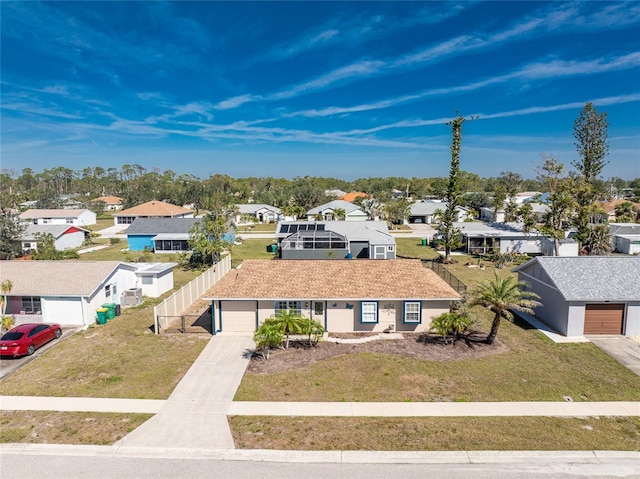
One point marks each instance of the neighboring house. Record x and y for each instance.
(70, 292)
(490, 215)
(395, 194)
(151, 209)
(525, 196)
(161, 235)
(568, 247)
(335, 193)
(484, 238)
(610, 209)
(426, 212)
(76, 217)
(539, 210)
(335, 240)
(29, 204)
(625, 237)
(586, 294)
(351, 197)
(327, 211)
(262, 213)
(65, 236)
(344, 296)
(111, 203)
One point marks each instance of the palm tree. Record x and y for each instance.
(339, 214)
(289, 321)
(6, 286)
(599, 240)
(268, 336)
(501, 295)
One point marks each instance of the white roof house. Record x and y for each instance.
(70, 292)
(76, 217)
(327, 211)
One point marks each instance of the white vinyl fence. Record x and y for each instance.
(179, 301)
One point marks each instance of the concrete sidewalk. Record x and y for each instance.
(222, 406)
(195, 415)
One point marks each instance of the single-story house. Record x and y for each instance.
(151, 209)
(483, 238)
(70, 292)
(426, 211)
(610, 209)
(75, 217)
(489, 214)
(351, 197)
(626, 237)
(261, 212)
(335, 193)
(567, 247)
(335, 240)
(161, 235)
(111, 203)
(65, 236)
(327, 211)
(586, 294)
(344, 296)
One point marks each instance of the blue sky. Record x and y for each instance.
(342, 89)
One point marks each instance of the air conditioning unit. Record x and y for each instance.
(133, 296)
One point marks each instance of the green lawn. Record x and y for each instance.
(435, 433)
(412, 248)
(251, 249)
(531, 369)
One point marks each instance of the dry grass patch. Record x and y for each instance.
(121, 359)
(46, 427)
(523, 365)
(435, 434)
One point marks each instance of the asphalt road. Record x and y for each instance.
(68, 466)
(10, 365)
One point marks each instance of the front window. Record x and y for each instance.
(369, 312)
(107, 290)
(46, 221)
(412, 312)
(69, 221)
(286, 305)
(31, 304)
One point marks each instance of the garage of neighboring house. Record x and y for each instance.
(586, 295)
(604, 318)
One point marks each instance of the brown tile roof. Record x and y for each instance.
(332, 279)
(55, 278)
(610, 206)
(51, 213)
(154, 208)
(110, 200)
(351, 197)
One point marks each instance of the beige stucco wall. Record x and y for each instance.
(341, 316)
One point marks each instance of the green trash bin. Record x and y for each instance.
(102, 315)
(111, 310)
(424, 241)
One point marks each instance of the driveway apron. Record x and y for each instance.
(195, 415)
(621, 348)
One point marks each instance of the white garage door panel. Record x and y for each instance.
(62, 310)
(238, 317)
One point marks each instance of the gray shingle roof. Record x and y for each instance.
(154, 226)
(55, 230)
(250, 209)
(592, 278)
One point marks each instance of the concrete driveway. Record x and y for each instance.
(622, 348)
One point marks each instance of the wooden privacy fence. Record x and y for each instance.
(179, 301)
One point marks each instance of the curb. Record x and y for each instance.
(335, 457)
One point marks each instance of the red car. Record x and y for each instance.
(26, 338)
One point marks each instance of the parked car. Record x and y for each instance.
(23, 340)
